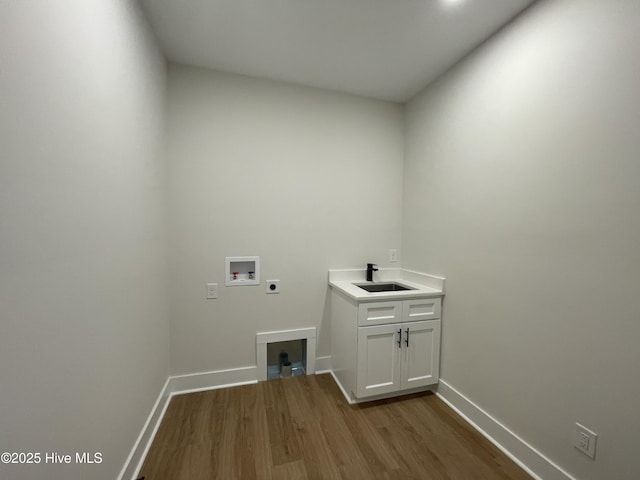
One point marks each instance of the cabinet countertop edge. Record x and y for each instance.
(343, 281)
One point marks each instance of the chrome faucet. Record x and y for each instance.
(371, 267)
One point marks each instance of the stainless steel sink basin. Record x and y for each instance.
(383, 287)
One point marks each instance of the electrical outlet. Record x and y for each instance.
(212, 291)
(273, 286)
(393, 255)
(585, 440)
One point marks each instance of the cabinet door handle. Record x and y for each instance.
(407, 339)
(399, 338)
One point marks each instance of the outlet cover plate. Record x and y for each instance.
(585, 440)
(273, 286)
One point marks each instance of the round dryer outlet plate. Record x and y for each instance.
(273, 286)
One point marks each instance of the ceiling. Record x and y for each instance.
(387, 49)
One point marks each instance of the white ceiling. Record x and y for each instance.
(387, 49)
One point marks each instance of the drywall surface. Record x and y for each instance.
(84, 348)
(521, 188)
(306, 179)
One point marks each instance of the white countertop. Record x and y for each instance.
(424, 285)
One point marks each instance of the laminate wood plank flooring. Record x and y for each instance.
(302, 428)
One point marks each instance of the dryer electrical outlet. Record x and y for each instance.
(273, 286)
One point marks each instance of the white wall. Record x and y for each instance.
(307, 179)
(84, 348)
(521, 187)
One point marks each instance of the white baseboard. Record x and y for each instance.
(190, 383)
(530, 459)
(140, 449)
(346, 395)
(323, 364)
(199, 382)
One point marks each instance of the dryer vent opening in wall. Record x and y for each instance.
(299, 346)
(286, 359)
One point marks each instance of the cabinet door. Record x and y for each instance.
(420, 353)
(378, 360)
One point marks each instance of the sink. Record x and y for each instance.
(383, 287)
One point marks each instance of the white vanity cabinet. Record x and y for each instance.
(397, 357)
(382, 348)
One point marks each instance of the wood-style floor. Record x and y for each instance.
(302, 428)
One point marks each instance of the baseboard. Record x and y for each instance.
(323, 364)
(140, 449)
(190, 383)
(199, 382)
(346, 395)
(526, 456)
